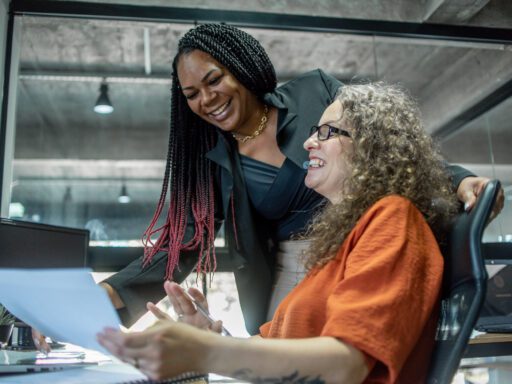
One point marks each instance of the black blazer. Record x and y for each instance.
(300, 104)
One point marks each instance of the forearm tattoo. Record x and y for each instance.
(246, 375)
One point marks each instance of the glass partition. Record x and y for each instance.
(73, 166)
(76, 167)
(483, 146)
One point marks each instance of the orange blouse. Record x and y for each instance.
(378, 294)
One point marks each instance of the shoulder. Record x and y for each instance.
(391, 211)
(313, 75)
(392, 204)
(308, 95)
(316, 77)
(391, 226)
(315, 82)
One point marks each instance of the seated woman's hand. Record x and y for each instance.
(185, 308)
(165, 349)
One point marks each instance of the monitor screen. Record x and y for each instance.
(33, 245)
(498, 299)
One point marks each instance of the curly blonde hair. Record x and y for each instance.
(392, 155)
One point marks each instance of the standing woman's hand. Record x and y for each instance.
(471, 187)
(40, 341)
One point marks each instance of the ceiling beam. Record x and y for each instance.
(95, 77)
(483, 106)
(127, 77)
(88, 169)
(452, 11)
(431, 6)
(266, 20)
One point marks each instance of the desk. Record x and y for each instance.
(105, 372)
(102, 374)
(489, 345)
(488, 359)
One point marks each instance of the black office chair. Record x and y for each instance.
(464, 285)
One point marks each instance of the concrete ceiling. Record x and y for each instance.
(61, 142)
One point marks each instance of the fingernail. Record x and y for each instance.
(466, 206)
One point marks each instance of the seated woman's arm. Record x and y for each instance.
(170, 348)
(312, 360)
(324, 359)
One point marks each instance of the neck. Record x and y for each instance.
(251, 124)
(337, 196)
(256, 131)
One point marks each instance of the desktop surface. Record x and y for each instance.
(105, 370)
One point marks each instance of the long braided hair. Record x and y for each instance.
(188, 173)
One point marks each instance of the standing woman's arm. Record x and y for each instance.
(132, 287)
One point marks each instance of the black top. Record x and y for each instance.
(280, 196)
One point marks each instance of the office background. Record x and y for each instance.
(63, 163)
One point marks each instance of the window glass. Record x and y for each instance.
(75, 167)
(483, 146)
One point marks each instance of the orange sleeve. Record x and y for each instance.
(391, 283)
(264, 329)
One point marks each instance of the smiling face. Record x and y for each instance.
(215, 95)
(329, 164)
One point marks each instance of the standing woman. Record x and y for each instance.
(235, 156)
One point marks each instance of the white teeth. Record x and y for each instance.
(219, 110)
(316, 163)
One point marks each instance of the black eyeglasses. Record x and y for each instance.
(325, 132)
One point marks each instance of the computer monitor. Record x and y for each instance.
(496, 313)
(25, 244)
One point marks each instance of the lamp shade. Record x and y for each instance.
(103, 104)
(124, 198)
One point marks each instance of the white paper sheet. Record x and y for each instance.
(64, 304)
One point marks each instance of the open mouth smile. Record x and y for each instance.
(316, 163)
(217, 112)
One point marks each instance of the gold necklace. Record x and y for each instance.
(257, 132)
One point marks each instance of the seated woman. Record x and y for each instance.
(367, 310)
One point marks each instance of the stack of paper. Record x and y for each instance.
(64, 304)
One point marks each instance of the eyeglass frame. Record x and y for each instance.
(331, 130)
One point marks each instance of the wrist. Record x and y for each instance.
(215, 346)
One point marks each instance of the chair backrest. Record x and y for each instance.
(464, 285)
